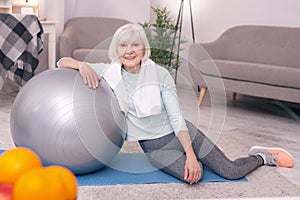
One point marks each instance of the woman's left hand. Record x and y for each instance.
(192, 170)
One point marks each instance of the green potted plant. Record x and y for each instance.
(163, 40)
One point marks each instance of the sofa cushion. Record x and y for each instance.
(276, 75)
(91, 55)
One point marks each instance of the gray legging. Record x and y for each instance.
(167, 154)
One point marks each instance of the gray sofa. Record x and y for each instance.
(88, 38)
(261, 61)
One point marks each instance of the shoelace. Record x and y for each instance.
(273, 159)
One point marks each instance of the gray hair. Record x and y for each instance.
(125, 32)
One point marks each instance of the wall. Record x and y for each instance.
(212, 17)
(54, 11)
(132, 10)
(62, 10)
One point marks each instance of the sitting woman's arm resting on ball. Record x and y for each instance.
(90, 77)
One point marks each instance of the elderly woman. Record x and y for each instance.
(147, 96)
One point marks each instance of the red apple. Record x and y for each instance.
(6, 191)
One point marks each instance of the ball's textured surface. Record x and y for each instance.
(67, 123)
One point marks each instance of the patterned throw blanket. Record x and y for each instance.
(20, 44)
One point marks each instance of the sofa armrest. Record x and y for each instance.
(201, 59)
(66, 44)
(198, 52)
(214, 49)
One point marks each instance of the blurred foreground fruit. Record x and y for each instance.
(16, 161)
(67, 178)
(6, 191)
(37, 184)
(22, 177)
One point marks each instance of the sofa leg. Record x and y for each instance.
(234, 96)
(201, 96)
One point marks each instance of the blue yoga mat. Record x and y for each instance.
(135, 168)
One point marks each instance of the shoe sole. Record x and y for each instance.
(266, 148)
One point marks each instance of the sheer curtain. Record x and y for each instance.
(70, 8)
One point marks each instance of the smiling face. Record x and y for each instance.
(130, 49)
(130, 53)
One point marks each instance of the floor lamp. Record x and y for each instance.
(178, 28)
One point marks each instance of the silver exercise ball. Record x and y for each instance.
(67, 123)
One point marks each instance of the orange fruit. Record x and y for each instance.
(6, 191)
(68, 179)
(37, 184)
(16, 161)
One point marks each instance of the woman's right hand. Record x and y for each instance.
(89, 76)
